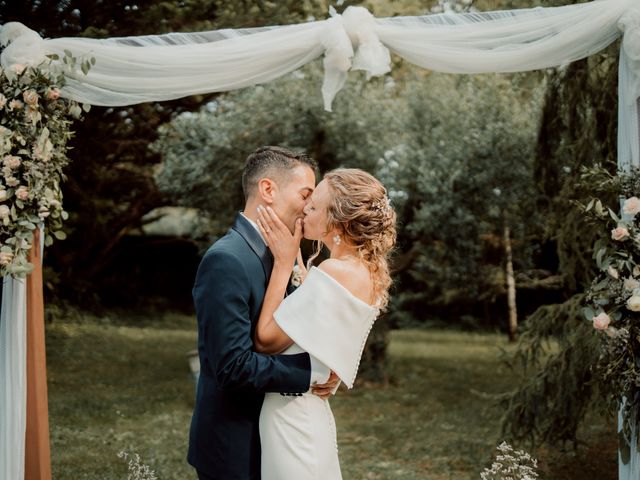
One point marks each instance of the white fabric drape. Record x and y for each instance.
(162, 67)
(13, 378)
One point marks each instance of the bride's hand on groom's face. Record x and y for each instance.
(283, 245)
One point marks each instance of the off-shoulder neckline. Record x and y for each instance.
(349, 292)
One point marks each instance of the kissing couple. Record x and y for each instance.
(271, 354)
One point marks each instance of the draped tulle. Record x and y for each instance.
(162, 67)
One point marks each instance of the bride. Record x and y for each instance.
(329, 315)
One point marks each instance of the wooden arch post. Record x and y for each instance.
(37, 448)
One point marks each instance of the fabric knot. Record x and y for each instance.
(353, 31)
(23, 48)
(371, 55)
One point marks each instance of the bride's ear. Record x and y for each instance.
(267, 190)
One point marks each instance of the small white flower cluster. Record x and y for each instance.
(137, 470)
(511, 464)
(297, 277)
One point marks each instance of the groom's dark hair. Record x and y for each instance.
(272, 162)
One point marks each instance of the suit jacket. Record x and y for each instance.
(232, 278)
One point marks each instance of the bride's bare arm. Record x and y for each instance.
(269, 337)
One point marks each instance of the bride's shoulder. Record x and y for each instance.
(351, 275)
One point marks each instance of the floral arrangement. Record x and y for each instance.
(613, 300)
(511, 464)
(35, 126)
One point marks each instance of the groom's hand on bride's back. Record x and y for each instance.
(325, 390)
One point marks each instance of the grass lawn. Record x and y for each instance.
(123, 384)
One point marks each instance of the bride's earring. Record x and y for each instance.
(337, 239)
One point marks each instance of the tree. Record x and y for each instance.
(467, 173)
(578, 131)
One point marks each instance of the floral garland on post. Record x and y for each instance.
(35, 124)
(613, 299)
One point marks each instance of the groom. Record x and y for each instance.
(224, 441)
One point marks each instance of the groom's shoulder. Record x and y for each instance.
(230, 245)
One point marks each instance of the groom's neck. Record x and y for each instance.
(251, 210)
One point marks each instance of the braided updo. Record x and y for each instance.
(361, 212)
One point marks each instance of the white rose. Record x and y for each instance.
(3, 100)
(4, 212)
(633, 303)
(12, 181)
(613, 272)
(3, 195)
(631, 206)
(619, 234)
(636, 271)
(631, 284)
(601, 321)
(11, 161)
(5, 258)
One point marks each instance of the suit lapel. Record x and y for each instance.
(255, 242)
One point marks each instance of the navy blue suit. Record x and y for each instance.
(224, 441)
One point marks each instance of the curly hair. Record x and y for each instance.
(361, 211)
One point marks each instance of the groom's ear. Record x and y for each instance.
(267, 190)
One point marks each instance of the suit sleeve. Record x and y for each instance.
(221, 294)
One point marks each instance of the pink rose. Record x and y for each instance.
(619, 234)
(17, 68)
(22, 193)
(11, 161)
(631, 206)
(30, 97)
(5, 258)
(53, 93)
(15, 105)
(601, 321)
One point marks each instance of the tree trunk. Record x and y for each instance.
(511, 286)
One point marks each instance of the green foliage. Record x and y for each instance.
(555, 356)
(558, 351)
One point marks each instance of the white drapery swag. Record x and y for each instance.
(132, 70)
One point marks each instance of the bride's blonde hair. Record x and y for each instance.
(361, 212)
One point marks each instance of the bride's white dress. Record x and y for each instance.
(298, 432)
